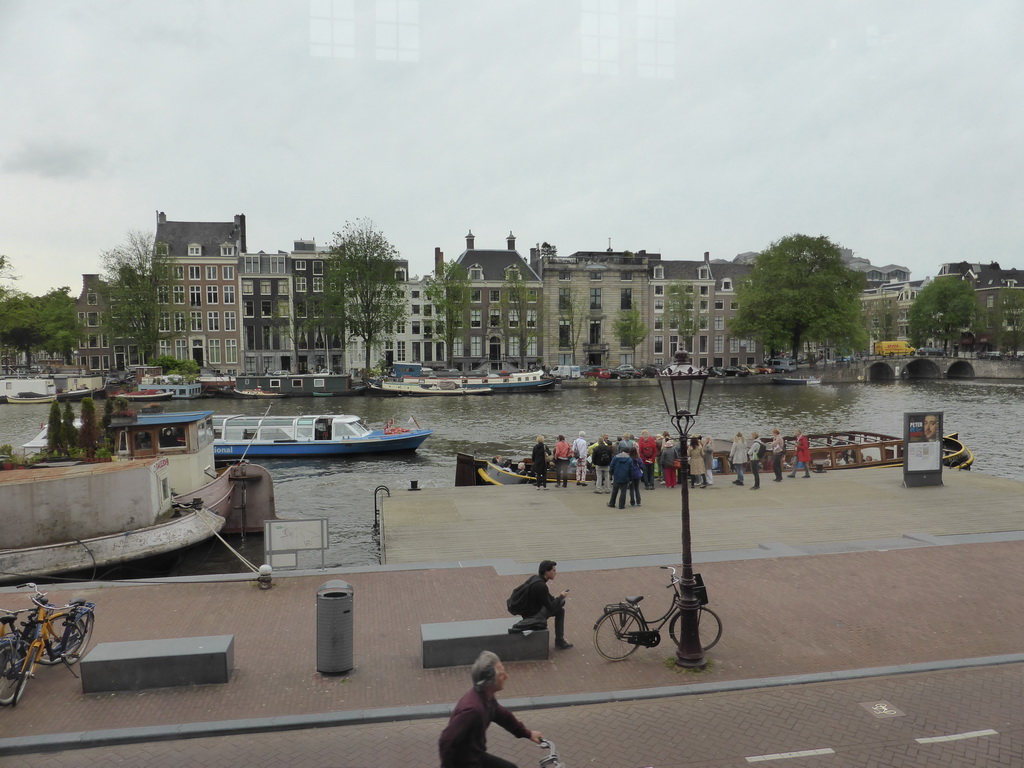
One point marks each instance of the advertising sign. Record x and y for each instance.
(922, 449)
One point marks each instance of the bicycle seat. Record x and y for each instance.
(7, 620)
(634, 599)
(77, 601)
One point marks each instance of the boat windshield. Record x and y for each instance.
(350, 428)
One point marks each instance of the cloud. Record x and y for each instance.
(54, 160)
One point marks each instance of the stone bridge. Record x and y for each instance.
(888, 369)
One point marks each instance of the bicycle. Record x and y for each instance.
(550, 760)
(40, 641)
(623, 627)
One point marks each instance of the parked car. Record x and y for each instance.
(736, 370)
(765, 369)
(596, 372)
(990, 355)
(650, 371)
(716, 371)
(626, 372)
(753, 370)
(929, 352)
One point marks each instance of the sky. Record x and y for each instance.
(672, 126)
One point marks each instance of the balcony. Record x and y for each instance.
(595, 347)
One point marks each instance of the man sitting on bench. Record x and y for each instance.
(543, 605)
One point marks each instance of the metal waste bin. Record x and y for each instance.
(334, 627)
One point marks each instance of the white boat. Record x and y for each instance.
(797, 380)
(179, 387)
(311, 435)
(63, 516)
(29, 398)
(425, 388)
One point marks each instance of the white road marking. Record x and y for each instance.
(957, 736)
(786, 755)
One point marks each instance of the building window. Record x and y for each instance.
(178, 272)
(193, 273)
(627, 276)
(179, 322)
(495, 296)
(659, 323)
(475, 318)
(248, 308)
(197, 321)
(163, 294)
(659, 274)
(165, 322)
(212, 294)
(195, 250)
(595, 298)
(564, 275)
(229, 294)
(726, 284)
(300, 285)
(703, 305)
(400, 350)
(719, 344)
(318, 267)
(230, 322)
(299, 265)
(318, 285)
(476, 345)
(659, 345)
(659, 305)
(213, 351)
(531, 296)
(531, 318)
(414, 309)
(230, 350)
(179, 294)
(251, 265)
(563, 333)
(246, 287)
(266, 287)
(213, 321)
(719, 304)
(282, 308)
(476, 272)
(90, 298)
(227, 250)
(626, 299)
(564, 299)
(227, 272)
(495, 318)
(211, 272)
(659, 290)
(277, 265)
(266, 308)
(595, 332)
(475, 295)
(719, 323)
(703, 274)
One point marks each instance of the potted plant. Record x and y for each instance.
(6, 452)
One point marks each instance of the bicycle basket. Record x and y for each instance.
(699, 590)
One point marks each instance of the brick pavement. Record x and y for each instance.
(783, 616)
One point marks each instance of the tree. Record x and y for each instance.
(571, 316)
(134, 273)
(89, 434)
(680, 312)
(55, 444)
(630, 330)
(364, 286)
(881, 318)
(69, 432)
(942, 310)
(1011, 310)
(519, 312)
(174, 367)
(800, 290)
(40, 323)
(449, 293)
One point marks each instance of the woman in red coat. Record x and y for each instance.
(803, 455)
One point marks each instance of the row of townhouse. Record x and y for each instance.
(242, 312)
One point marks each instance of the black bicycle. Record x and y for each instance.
(623, 627)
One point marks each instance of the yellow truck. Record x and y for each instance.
(893, 348)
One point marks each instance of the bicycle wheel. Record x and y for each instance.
(709, 628)
(10, 672)
(610, 634)
(73, 642)
(16, 676)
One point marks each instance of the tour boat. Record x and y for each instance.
(312, 435)
(425, 388)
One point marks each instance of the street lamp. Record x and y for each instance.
(682, 388)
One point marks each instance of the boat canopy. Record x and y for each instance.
(280, 428)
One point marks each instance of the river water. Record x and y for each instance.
(986, 413)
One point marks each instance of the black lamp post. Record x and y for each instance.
(682, 388)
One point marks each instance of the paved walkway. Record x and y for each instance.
(815, 617)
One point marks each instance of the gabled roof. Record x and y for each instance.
(495, 262)
(178, 235)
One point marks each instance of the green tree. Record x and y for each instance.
(175, 367)
(364, 285)
(571, 316)
(89, 433)
(55, 444)
(134, 273)
(46, 323)
(800, 290)
(449, 293)
(880, 317)
(519, 311)
(630, 330)
(680, 313)
(69, 432)
(942, 310)
(1011, 310)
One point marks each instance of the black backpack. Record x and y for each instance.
(518, 602)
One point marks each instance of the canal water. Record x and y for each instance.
(986, 413)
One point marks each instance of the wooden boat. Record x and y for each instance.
(797, 380)
(59, 517)
(145, 395)
(425, 388)
(30, 398)
(311, 435)
(80, 394)
(258, 393)
(501, 382)
(469, 470)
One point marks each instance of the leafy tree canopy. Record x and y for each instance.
(800, 290)
(449, 292)
(133, 275)
(518, 300)
(46, 323)
(630, 329)
(942, 310)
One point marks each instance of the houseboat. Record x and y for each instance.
(301, 384)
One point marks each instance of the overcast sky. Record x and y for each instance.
(675, 126)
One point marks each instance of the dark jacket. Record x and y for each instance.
(540, 455)
(464, 741)
(541, 598)
(621, 468)
(602, 455)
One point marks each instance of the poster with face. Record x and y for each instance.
(923, 442)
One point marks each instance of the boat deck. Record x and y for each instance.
(527, 525)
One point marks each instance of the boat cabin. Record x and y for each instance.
(184, 438)
(276, 429)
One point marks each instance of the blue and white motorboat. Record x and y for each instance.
(310, 435)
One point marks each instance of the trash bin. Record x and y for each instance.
(334, 628)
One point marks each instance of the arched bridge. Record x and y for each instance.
(888, 369)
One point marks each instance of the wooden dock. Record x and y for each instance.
(526, 525)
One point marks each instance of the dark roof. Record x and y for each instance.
(495, 262)
(178, 235)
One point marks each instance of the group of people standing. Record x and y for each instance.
(623, 465)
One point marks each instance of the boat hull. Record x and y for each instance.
(379, 443)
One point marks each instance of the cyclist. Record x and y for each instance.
(463, 743)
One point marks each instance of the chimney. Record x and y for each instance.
(438, 262)
(511, 240)
(161, 218)
(470, 240)
(707, 257)
(240, 232)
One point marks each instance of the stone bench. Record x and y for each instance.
(131, 666)
(456, 643)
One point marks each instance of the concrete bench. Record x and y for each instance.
(131, 666)
(456, 643)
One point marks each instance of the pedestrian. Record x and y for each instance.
(635, 476)
(563, 454)
(463, 742)
(580, 453)
(668, 460)
(543, 605)
(625, 442)
(803, 454)
(540, 463)
(778, 453)
(696, 454)
(621, 470)
(602, 457)
(737, 456)
(709, 458)
(755, 453)
(647, 447)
